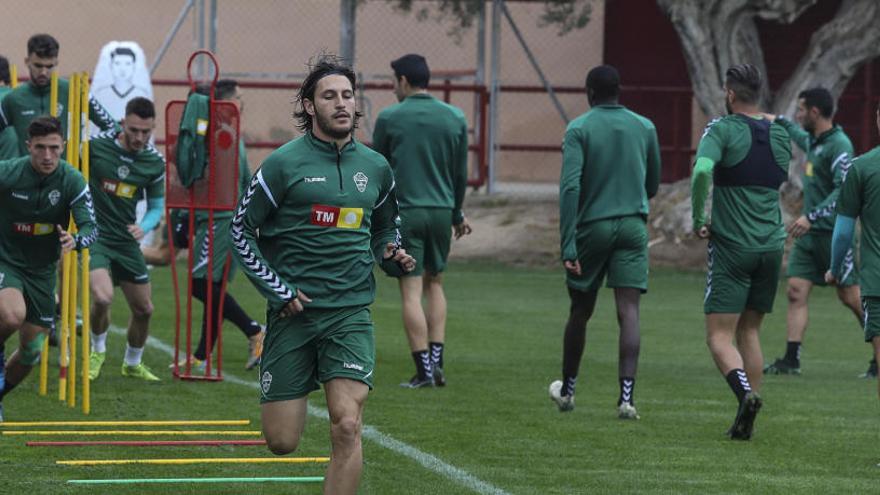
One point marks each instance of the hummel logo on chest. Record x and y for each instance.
(309, 180)
(19, 195)
(126, 159)
(28, 112)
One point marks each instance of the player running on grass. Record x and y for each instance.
(610, 168)
(123, 166)
(38, 193)
(746, 157)
(315, 218)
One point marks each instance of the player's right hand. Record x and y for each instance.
(703, 232)
(462, 229)
(573, 267)
(830, 279)
(295, 305)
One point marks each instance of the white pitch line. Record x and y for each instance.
(429, 461)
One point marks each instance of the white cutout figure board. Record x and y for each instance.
(120, 75)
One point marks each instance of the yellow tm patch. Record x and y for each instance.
(43, 228)
(350, 218)
(125, 190)
(809, 169)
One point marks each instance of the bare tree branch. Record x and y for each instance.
(835, 53)
(716, 34)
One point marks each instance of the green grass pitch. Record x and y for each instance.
(816, 433)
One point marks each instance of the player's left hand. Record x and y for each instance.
(462, 229)
(67, 242)
(573, 267)
(397, 254)
(830, 279)
(800, 227)
(136, 231)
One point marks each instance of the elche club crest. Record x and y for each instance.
(54, 197)
(122, 172)
(266, 382)
(360, 180)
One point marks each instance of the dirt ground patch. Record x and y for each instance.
(525, 231)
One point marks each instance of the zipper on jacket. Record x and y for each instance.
(339, 166)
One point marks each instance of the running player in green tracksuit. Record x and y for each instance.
(122, 167)
(860, 197)
(8, 139)
(38, 193)
(610, 168)
(829, 152)
(31, 99)
(425, 141)
(746, 157)
(315, 218)
(225, 90)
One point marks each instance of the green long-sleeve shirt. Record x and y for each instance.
(610, 168)
(324, 217)
(860, 197)
(28, 101)
(8, 139)
(118, 179)
(828, 157)
(426, 142)
(31, 205)
(745, 216)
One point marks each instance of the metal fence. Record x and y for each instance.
(267, 44)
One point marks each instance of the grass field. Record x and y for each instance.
(493, 429)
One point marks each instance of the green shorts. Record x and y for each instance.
(810, 258)
(427, 234)
(222, 249)
(738, 280)
(313, 347)
(616, 246)
(38, 289)
(124, 260)
(871, 318)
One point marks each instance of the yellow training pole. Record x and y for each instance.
(69, 261)
(206, 460)
(13, 76)
(86, 295)
(75, 133)
(197, 422)
(143, 433)
(53, 110)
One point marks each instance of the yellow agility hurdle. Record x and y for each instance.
(210, 460)
(132, 432)
(207, 422)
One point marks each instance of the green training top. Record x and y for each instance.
(8, 139)
(426, 142)
(828, 157)
(118, 179)
(31, 205)
(860, 197)
(610, 168)
(244, 178)
(315, 218)
(747, 217)
(28, 101)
